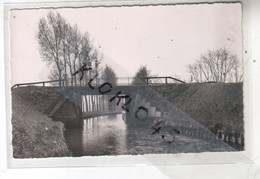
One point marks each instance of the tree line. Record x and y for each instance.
(65, 48)
(217, 65)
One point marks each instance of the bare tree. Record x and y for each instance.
(86, 55)
(50, 40)
(65, 48)
(68, 54)
(217, 66)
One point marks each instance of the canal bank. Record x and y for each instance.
(35, 135)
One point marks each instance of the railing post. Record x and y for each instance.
(43, 84)
(166, 82)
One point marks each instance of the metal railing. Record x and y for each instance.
(120, 81)
(41, 83)
(162, 80)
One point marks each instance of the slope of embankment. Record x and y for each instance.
(210, 104)
(34, 134)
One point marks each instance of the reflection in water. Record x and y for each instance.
(109, 135)
(105, 135)
(74, 140)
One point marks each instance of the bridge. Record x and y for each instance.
(72, 103)
(82, 100)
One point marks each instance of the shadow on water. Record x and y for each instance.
(104, 135)
(74, 141)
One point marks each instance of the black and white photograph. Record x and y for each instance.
(126, 80)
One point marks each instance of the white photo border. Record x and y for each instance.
(250, 91)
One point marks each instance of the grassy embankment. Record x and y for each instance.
(208, 103)
(34, 134)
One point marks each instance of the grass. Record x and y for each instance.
(208, 103)
(34, 134)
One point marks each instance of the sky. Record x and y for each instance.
(164, 38)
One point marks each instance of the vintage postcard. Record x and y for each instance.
(128, 80)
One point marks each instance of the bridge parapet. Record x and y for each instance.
(140, 93)
(120, 81)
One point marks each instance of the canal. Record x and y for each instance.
(111, 135)
(104, 135)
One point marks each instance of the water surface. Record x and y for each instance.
(111, 135)
(104, 135)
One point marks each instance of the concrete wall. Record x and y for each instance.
(50, 102)
(69, 113)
